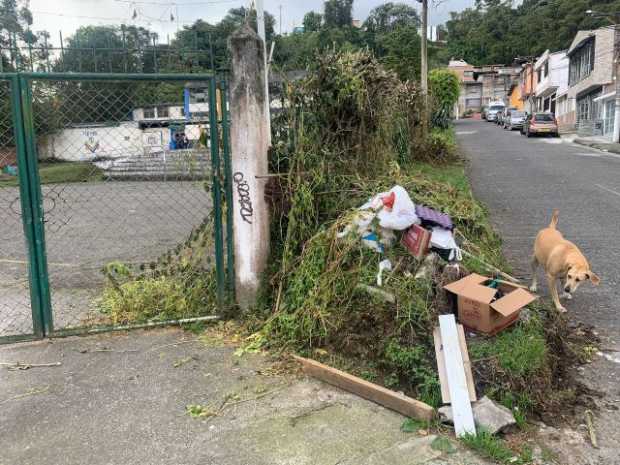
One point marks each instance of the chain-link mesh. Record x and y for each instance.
(15, 310)
(125, 170)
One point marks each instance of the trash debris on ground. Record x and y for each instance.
(398, 402)
(431, 217)
(429, 268)
(384, 265)
(488, 305)
(380, 293)
(416, 240)
(443, 243)
(441, 365)
(394, 208)
(488, 415)
(455, 378)
(9, 170)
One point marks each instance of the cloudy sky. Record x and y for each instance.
(67, 15)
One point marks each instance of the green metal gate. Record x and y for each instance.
(116, 186)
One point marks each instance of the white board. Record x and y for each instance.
(457, 381)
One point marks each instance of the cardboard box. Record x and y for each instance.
(477, 308)
(416, 240)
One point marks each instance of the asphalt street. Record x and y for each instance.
(521, 180)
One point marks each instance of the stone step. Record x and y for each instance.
(160, 166)
(138, 175)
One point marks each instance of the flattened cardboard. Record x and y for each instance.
(476, 308)
(513, 302)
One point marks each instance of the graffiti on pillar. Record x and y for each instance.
(245, 202)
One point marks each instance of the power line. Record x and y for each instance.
(108, 18)
(171, 4)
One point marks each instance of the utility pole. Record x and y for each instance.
(260, 26)
(616, 134)
(424, 66)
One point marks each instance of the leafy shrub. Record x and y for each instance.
(444, 89)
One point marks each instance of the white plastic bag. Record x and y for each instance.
(395, 209)
(443, 239)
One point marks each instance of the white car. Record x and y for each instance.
(493, 110)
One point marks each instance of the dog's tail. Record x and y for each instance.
(554, 218)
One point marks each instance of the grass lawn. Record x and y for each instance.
(60, 172)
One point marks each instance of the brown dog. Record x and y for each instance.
(561, 259)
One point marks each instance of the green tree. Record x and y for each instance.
(202, 36)
(496, 32)
(338, 13)
(444, 90)
(115, 49)
(16, 37)
(399, 50)
(312, 21)
(390, 16)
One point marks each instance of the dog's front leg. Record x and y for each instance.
(553, 288)
(534, 263)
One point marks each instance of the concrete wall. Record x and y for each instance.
(88, 143)
(124, 140)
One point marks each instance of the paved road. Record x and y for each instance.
(88, 225)
(521, 181)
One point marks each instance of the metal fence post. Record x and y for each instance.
(216, 191)
(36, 198)
(228, 192)
(26, 208)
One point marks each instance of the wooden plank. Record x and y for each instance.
(471, 387)
(441, 367)
(457, 382)
(398, 402)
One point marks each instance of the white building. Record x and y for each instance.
(552, 81)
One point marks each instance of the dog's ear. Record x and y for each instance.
(594, 278)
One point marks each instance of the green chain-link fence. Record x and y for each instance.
(124, 174)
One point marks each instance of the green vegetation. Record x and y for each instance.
(180, 284)
(199, 411)
(443, 444)
(494, 448)
(358, 134)
(444, 88)
(521, 351)
(59, 173)
(496, 32)
(411, 425)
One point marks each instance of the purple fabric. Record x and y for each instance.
(429, 215)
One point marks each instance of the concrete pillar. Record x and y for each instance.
(249, 145)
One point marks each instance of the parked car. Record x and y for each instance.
(540, 124)
(501, 117)
(494, 109)
(514, 119)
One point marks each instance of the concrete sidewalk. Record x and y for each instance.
(599, 143)
(120, 399)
